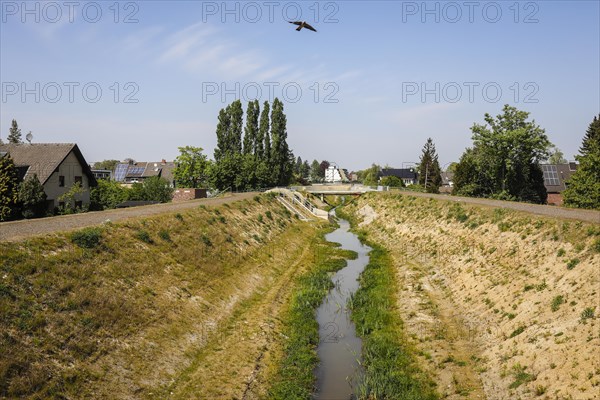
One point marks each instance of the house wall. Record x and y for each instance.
(69, 168)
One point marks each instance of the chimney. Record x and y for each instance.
(163, 162)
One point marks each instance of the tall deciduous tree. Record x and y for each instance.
(106, 164)
(280, 162)
(556, 156)
(8, 188)
(251, 129)
(190, 170)
(32, 198)
(583, 189)
(505, 158)
(315, 171)
(430, 176)
(237, 122)
(14, 135)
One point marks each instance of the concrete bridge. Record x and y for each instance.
(335, 189)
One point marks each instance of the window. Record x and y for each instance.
(61, 204)
(61, 181)
(78, 179)
(78, 204)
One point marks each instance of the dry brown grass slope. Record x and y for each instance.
(128, 315)
(500, 304)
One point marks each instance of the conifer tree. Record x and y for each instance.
(429, 168)
(591, 138)
(583, 189)
(15, 133)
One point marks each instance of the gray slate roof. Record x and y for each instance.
(42, 159)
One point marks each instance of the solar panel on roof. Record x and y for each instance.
(135, 171)
(550, 175)
(120, 172)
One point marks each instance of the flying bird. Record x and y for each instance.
(302, 24)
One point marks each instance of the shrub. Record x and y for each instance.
(164, 235)
(517, 331)
(269, 215)
(222, 219)
(260, 218)
(561, 252)
(596, 246)
(257, 199)
(587, 313)
(556, 302)
(144, 236)
(179, 216)
(206, 240)
(87, 238)
(572, 263)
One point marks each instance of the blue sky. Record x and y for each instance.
(375, 81)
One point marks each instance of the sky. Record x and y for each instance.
(139, 79)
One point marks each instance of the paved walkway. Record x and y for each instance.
(549, 211)
(16, 230)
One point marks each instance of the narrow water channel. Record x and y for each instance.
(339, 348)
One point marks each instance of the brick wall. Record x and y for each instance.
(184, 194)
(555, 199)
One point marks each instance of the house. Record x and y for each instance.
(102, 174)
(335, 175)
(57, 165)
(135, 172)
(408, 175)
(447, 179)
(556, 177)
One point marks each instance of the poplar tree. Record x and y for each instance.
(280, 162)
(251, 129)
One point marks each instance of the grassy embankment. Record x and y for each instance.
(127, 310)
(497, 303)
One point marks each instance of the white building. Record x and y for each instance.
(332, 174)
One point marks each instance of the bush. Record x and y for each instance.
(572, 263)
(179, 216)
(587, 313)
(87, 238)
(269, 215)
(206, 240)
(144, 236)
(517, 331)
(556, 302)
(164, 235)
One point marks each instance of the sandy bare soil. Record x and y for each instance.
(494, 304)
(17, 230)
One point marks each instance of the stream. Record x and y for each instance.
(339, 348)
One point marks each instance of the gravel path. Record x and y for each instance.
(549, 211)
(17, 230)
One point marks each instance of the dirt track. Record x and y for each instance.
(16, 230)
(549, 211)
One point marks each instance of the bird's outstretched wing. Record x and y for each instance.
(307, 26)
(295, 22)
